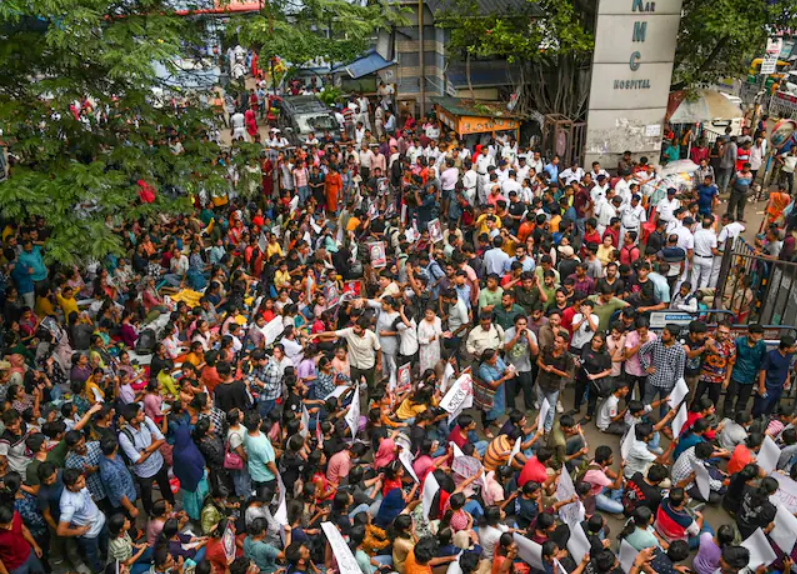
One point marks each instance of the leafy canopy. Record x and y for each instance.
(80, 173)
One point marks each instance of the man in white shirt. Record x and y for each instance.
(665, 210)
(238, 125)
(536, 163)
(571, 174)
(510, 184)
(598, 192)
(502, 171)
(705, 242)
(522, 170)
(607, 210)
(598, 171)
(632, 217)
(448, 179)
(623, 189)
(366, 159)
(470, 181)
(496, 258)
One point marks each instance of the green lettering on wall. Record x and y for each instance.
(640, 30)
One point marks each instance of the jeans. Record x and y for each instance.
(173, 279)
(304, 193)
(724, 177)
(144, 562)
(162, 478)
(740, 392)
(694, 541)
(553, 398)
(650, 396)
(265, 406)
(473, 508)
(583, 387)
(242, 482)
(361, 508)
(610, 501)
(94, 548)
(481, 447)
(634, 381)
(31, 566)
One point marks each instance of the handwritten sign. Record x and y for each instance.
(458, 398)
(347, 564)
(786, 493)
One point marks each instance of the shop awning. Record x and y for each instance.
(368, 64)
(705, 106)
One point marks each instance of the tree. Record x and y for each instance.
(301, 32)
(82, 173)
(717, 39)
(549, 41)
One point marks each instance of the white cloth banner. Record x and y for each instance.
(305, 432)
(272, 330)
(786, 493)
(405, 457)
(347, 563)
(628, 442)
(627, 556)
(515, 450)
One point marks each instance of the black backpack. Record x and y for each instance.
(145, 345)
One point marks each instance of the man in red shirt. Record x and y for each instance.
(16, 544)
(535, 468)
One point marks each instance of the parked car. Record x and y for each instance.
(302, 115)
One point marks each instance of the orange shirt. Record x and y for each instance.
(411, 565)
(742, 456)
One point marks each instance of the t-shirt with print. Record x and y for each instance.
(607, 412)
(638, 493)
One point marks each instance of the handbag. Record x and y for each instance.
(483, 395)
(232, 460)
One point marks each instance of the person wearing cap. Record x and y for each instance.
(632, 216)
(665, 210)
(598, 191)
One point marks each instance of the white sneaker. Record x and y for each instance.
(559, 407)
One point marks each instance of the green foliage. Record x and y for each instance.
(298, 33)
(330, 95)
(539, 32)
(56, 52)
(718, 38)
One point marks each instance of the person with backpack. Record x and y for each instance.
(141, 441)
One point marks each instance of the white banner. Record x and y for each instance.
(305, 432)
(768, 455)
(272, 330)
(347, 564)
(761, 553)
(459, 397)
(529, 551)
(353, 416)
(430, 488)
(784, 533)
(786, 493)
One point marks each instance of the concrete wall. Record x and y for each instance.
(631, 75)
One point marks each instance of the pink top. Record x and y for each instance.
(152, 406)
(422, 466)
(386, 453)
(632, 365)
(339, 466)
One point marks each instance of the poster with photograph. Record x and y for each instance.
(403, 378)
(378, 255)
(435, 231)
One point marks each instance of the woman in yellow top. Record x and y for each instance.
(605, 250)
(44, 306)
(273, 247)
(67, 302)
(94, 392)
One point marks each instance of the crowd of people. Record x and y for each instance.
(390, 359)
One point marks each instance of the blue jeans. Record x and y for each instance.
(610, 501)
(765, 406)
(265, 406)
(650, 396)
(553, 398)
(473, 508)
(694, 541)
(94, 548)
(242, 482)
(144, 562)
(361, 508)
(304, 193)
(31, 566)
